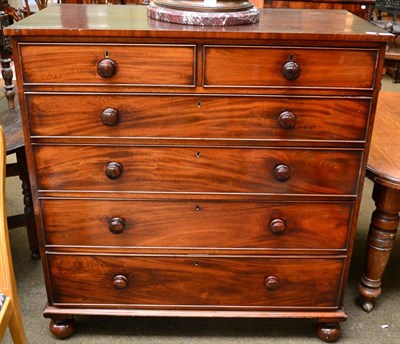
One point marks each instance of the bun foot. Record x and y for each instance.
(62, 328)
(328, 332)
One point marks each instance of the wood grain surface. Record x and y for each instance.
(384, 158)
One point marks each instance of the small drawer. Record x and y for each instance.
(205, 224)
(119, 64)
(233, 118)
(232, 66)
(197, 170)
(192, 282)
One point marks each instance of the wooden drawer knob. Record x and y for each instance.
(282, 173)
(117, 225)
(277, 226)
(287, 120)
(106, 68)
(271, 283)
(113, 170)
(291, 70)
(110, 117)
(120, 282)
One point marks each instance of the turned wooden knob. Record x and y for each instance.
(120, 282)
(110, 117)
(277, 226)
(117, 225)
(282, 172)
(271, 283)
(287, 120)
(106, 68)
(291, 70)
(113, 170)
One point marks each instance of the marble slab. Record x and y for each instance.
(250, 16)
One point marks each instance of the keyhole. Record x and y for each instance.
(198, 155)
(198, 103)
(197, 208)
(107, 55)
(291, 57)
(196, 263)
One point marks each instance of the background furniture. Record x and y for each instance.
(10, 120)
(361, 8)
(10, 313)
(384, 170)
(392, 59)
(229, 188)
(5, 53)
(391, 7)
(9, 14)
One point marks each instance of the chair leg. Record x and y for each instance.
(17, 328)
(28, 209)
(7, 74)
(6, 69)
(395, 77)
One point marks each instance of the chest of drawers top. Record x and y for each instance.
(131, 22)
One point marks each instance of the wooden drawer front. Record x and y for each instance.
(195, 281)
(196, 224)
(134, 64)
(199, 169)
(261, 67)
(198, 117)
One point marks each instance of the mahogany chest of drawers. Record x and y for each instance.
(196, 171)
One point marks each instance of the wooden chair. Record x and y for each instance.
(10, 314)
(10, 120)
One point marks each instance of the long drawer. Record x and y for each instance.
(197, 281)
(199, 169)
(196, 224)
(233, 66)
(238, 117)
(134, 64)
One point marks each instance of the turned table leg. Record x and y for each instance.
(381, 236)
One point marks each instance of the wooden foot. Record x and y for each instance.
(328, 332)
(62, 328)
(381, 237)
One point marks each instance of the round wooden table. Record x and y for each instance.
(384, 170)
